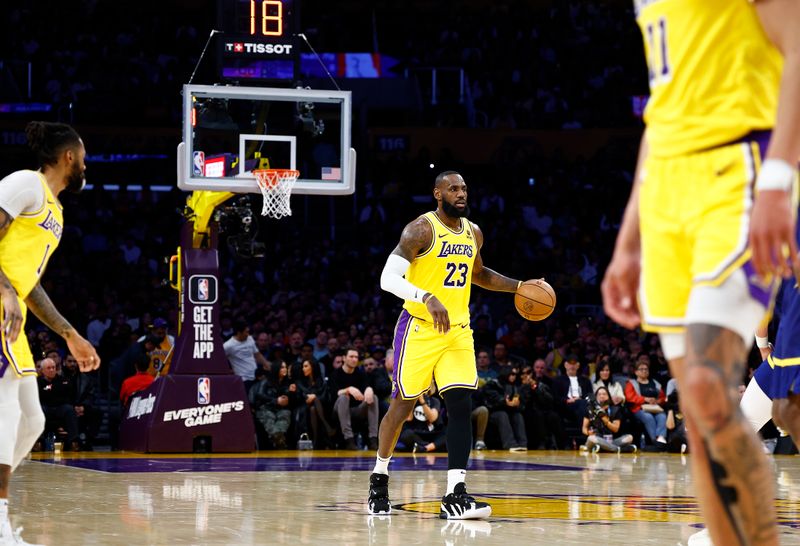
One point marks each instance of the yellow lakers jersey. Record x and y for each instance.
(714, 74)
(160, 358)
(30, 241)
(445, 270)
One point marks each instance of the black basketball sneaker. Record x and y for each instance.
(378, 501)
(460, 505)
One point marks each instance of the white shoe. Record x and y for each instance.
(701, 538)
(11, 537)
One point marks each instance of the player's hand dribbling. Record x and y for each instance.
(84, 352)
(441, 318)
(12, 315)
(619, 288)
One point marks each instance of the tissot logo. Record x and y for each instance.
(267, 49)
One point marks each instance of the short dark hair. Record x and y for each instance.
(239, 325)
(49, 140)
(442, 175)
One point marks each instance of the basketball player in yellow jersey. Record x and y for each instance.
(30, 229)
(439, 254)
(709, 227)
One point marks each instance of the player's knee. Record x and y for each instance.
(480, 411)
(704, 394)
(458, 402)
(33, 424)
(785, 411)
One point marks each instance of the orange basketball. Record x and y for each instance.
(535, 299)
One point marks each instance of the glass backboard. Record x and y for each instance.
(229, 131)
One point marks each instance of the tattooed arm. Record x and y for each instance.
(84, 352)
(485, 277)
(12, 313)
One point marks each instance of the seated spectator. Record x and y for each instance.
(604, 379)
(424, 429)
(601, 426)
(541, 418)
(677, 441)
(313, 394)
(570, 390)
(243, 354)
(83, 386)
(161, 354)
(542, 373)
(480, 417)
(355, 400)
(486, 370)
(271, 400)
(644, 396)
(505, 409)
(138, 382)
(55, 396)
(378, 378)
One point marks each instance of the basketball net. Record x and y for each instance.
(276, 187)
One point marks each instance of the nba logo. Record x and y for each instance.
(199, 164)
(203, 390)
(202, 289)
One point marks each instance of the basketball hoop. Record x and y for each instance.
(276, 187)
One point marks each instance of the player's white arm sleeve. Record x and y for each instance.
(392, 279)
(21, 191)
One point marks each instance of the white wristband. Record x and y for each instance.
(762, 342)
(775, 174)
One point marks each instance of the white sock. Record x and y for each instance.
(455, 476)
(382, 465)
(3, 509)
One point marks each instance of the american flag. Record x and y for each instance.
(331, 173)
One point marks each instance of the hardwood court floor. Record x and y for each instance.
(318, 498)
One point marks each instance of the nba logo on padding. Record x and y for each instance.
(203, 289)
(203, 390)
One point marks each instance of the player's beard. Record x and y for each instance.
(453, 211)
(76, 179)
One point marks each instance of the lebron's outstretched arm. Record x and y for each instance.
(40, 305)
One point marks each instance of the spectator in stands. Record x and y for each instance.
(264, 345)
(137, 382)
(55, 396)
(601, 426)
(480, 418)
(314, 396)
(644, 397)
(83, 387)
(504, 400)
(542, 421)
(501, 358)
(355, 401)
(378, 378)
(271, 401)
(542, 372)
(424, 429)
(570, 391)
(486, 370)
(243, 354)
(604, 379)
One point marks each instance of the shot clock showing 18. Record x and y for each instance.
(535, 299)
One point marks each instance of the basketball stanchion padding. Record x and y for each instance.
(276, 187)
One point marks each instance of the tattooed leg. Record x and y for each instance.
(735, 485)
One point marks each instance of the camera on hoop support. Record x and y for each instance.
(238, 221)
